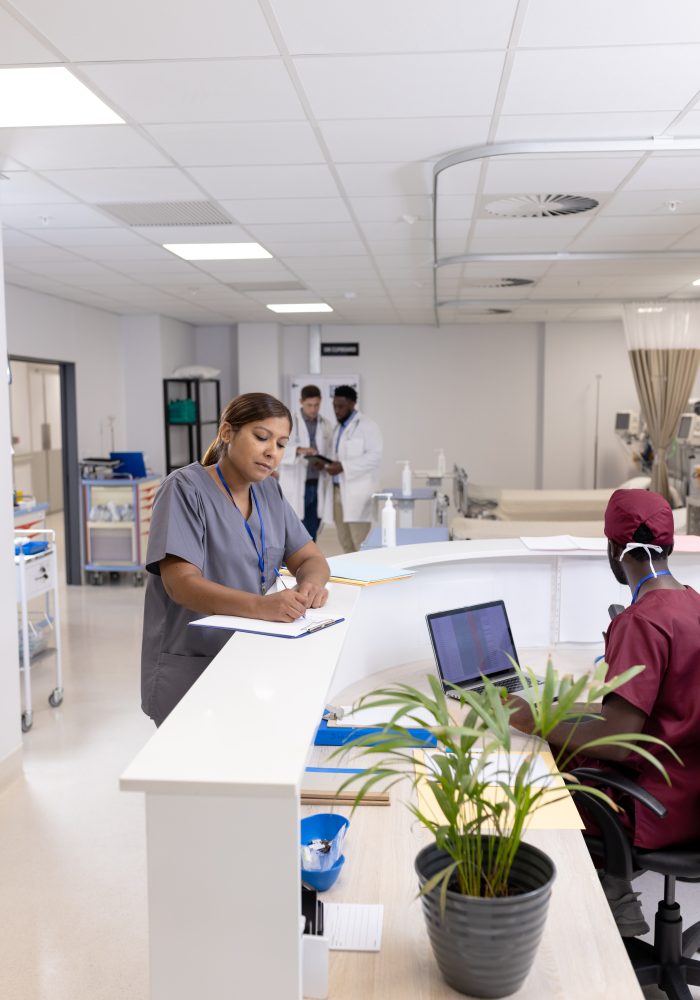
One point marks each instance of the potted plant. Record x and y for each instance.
(484, 890)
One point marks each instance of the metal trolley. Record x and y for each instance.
(37, 574)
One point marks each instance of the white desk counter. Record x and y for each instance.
(222, 774)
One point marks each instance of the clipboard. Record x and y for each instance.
(315, 621)
(319, 458)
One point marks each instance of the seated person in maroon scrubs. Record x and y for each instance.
(660, 629)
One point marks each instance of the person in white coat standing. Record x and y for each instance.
(357, 454)
(306, 489)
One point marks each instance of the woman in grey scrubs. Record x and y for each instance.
(219, 532)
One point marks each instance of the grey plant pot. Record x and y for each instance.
(485, 947)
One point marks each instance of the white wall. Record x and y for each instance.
(46, 327)
(10, 708)
(217, 347)
(260, 358)
(470, 390)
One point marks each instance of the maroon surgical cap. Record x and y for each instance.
(627, 509)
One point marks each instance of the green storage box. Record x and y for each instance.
(182, 411)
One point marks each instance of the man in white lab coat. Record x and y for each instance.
(308, 491)
(357, 454)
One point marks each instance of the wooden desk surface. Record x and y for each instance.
(581, 956)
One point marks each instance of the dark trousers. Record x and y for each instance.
(311, 518)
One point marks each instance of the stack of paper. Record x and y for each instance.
(320, 788)
(564, 543)
(345, 570)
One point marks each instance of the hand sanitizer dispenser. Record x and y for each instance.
(388, 522)
(406, 477)
(441, 465)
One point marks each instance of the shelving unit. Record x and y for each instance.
(117, 544)
(183, 429)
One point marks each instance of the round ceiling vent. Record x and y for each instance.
(540, 206)
(496, 282)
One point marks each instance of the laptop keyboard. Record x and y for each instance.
(511, 684)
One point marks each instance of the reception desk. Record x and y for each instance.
(221, 776)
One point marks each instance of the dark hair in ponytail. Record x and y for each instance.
(245, 409)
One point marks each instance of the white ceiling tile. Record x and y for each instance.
(245, 270)
(316, 26)
(689, 124)
(661, 171)
(669, 223)
(562, 23)
(24, 188)
(518, 244)
(567, 287)
(193, 278)
(381, 140)
(354, 248)
(65, 269)
(571, 174)
(80, 147)
(613, 241)
(326, 265)
(689, 242)
(140, 251)
(194, 234)
(147, 269)
(132, 29)
(452, 206)
(281, 210)
(652, 203)
(300, 232)
(212, 91)
(561, 227)
(614, 125)
(379, 179)
(126, 184)
(595, 313)
(239, 144)
(399, 248)
(113, 236)
(640, 78)
(398, 230)
(38, 253)
(518, 269)
(58, 216)
(292, 181)
(401, 86)
(390, 209)
(18, 46)
(460, 179)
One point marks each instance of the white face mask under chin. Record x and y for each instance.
(642, 545)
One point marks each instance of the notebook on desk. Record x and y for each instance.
(472, 643)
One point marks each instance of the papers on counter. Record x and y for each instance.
(503, 766)
(314, 620)
(564, 543)
(353, 926)
(379, 717)
(345, 570)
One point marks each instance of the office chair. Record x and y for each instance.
(667, 962)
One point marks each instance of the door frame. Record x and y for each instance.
(70, 463)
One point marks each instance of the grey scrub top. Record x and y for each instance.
(194, 520)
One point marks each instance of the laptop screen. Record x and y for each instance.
(472, 641)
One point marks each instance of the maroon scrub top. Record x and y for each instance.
(662, 631)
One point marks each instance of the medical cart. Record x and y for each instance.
(37, 575)
(117, 516)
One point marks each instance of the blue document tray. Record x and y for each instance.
(336, 736)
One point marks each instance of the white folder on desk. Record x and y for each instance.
(314, 620)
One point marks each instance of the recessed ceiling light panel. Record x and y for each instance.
(300, 307)
(218, 251)
(540, 206)
(49, 95)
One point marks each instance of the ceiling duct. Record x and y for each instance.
(540, 206)
(496, 282)
(167, 213)
(470, 309)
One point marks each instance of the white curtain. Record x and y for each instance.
(663, 340)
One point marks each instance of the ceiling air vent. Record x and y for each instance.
(540, 206)
(167, 213)
(467, 309)
(496, 282)
(266, 286)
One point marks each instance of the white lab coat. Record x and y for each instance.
(360, 451)
(292, 468)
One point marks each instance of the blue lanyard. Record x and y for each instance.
(259, 553)
(649, 576)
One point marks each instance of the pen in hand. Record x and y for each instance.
(281, 580)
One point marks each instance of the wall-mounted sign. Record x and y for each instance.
(340, 350)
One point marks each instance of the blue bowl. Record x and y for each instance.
(320, 881)
(324, 826)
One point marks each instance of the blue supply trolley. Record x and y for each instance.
(117, 518)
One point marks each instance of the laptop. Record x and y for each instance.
(471, 643)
